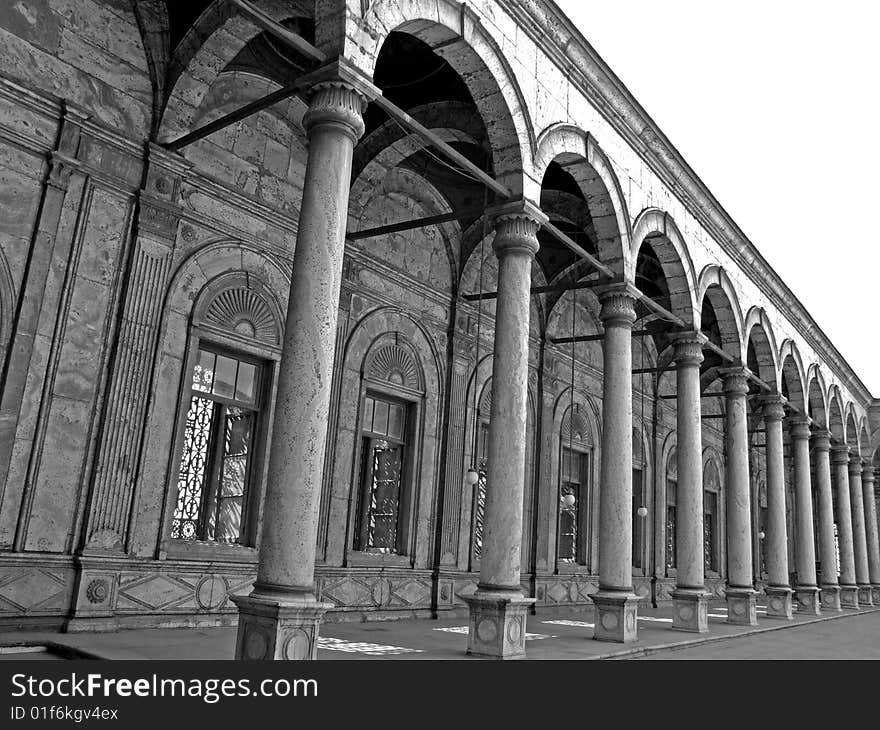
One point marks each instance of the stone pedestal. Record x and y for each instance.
(779, 602)
(616, 616)
(875, 595)
(278, 628)
(497, 625)
(849, 596)
(807, 599)
(866, 596)
(742, 607)
(831, 598)
(690, 609)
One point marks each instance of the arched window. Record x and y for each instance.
(671, 507)
(478, 510)
(711, 536)
(575, 488)
(235, 336)
(638, 500)
(393, 391)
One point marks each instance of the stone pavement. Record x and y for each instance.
(557, 634)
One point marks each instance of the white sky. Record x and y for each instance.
(775, 105)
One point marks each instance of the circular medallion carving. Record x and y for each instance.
(738, 609)
(98, 590)
(630, 622)
(685, 613)
(188, 233)
(609, 621)
(776, 604)
(255, 644)
(211, 591)
(514, 631)
(297, 645)
(163, 185)
(487, 631)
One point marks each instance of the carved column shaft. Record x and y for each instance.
(871, 531)
(280, 618)
(497, 609)
(776, 541)
(827, 547)
(616, 618)
(741, 605)
(848, 589)
(860, 539)
(689, 598)
(805, 553)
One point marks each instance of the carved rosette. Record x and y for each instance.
(772, 408)
(618, 307)
(336, 104)
(736, 381)
(689, 349)
(516, 233)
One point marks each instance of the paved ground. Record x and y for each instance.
(851, 637)
(561, 634)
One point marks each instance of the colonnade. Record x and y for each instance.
(281, 617)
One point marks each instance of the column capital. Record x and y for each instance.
(618, 304)
(799, 427)
(855, 465)
(736, 380)
(516, 227)
(821, 440)
(868, 475)
(772, 407)
(840, 453)
(688, 348)
(338, 96)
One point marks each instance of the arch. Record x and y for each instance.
(213, 41)
(792, 377)
(7, 299)
(196, 275)
(865, 440)
(759, 338)
(444, 26)
(580, 155)
(715, 285)
(658, 230)
(851, 432)
(817, 402)
(835, 415)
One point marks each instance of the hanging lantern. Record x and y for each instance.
(642, 512)
(761, 535)
(568, 500)
(471, 477)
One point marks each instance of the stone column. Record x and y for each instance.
(849, 592)
(871, 532)
(741, 603)
(827, 550)
(689, 599)
(616, 603)
(806, 590)
(860, 541)
(776, 542)
(280, 619)
(497, 625)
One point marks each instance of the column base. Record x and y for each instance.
(875, 594)
(616, 616)
(742, 607)
(866, 597)
(690, 608)
(807, 598)
(849, 597)
(831, 598)
(278, 627)
(779, 602)
(497, 624)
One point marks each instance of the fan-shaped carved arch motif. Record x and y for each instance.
(393, 364)
(576, 429)
(245, 312)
